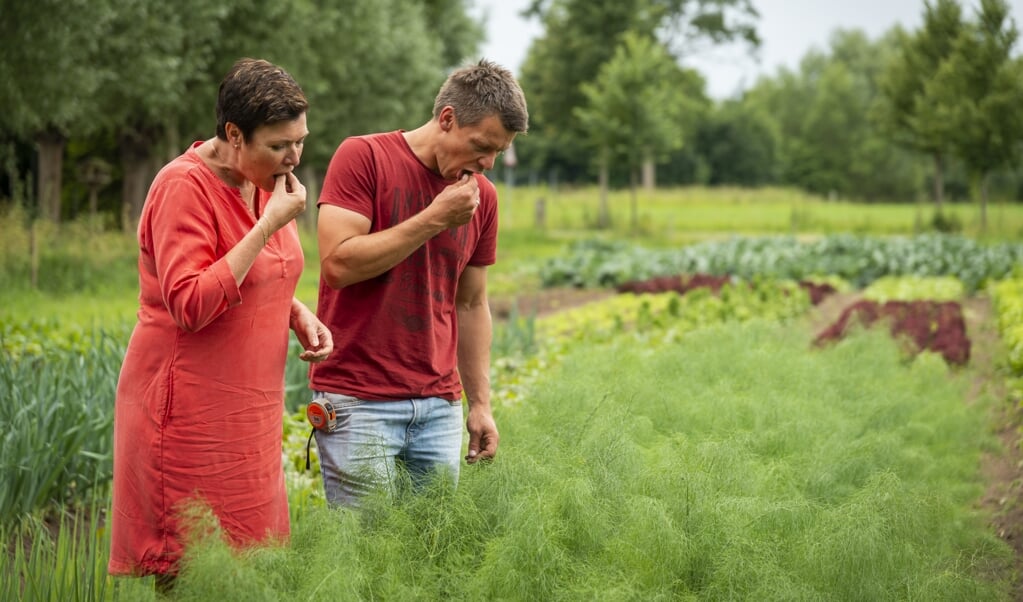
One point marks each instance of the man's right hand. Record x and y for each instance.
(457, 203)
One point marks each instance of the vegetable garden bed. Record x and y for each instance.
(654, 446)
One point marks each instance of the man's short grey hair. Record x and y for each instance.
(478, 91)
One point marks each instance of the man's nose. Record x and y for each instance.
(488, 161)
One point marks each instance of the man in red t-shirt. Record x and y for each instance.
(407, 227)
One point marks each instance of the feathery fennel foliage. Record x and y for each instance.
(736, 463)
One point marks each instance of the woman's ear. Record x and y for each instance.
(234, 134)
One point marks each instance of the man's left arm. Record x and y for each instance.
(474, 337)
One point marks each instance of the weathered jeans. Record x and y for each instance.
(377, 443)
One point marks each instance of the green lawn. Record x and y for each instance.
(88, 276)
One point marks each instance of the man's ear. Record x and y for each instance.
(447, 118)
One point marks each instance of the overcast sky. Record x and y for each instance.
(788, 29)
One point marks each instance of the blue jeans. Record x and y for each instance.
(377, 443)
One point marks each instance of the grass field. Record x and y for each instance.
(672, 216)
(88, 276)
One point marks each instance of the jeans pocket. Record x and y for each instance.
(338, 400)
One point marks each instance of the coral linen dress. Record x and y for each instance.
(200, 396)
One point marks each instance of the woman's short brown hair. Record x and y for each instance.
(255, 93)
(481, 90)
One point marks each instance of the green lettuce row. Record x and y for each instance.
(858, 259)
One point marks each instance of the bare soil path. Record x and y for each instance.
(545, 301)
(1003, 499)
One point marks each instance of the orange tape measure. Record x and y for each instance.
(321, 415)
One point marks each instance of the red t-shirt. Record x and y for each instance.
(396, 335)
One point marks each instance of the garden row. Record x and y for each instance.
(1008, 301)
(859, 260)
(911, 283)
(727, 502)
(923, 312)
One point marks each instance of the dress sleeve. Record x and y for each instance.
(196, 284)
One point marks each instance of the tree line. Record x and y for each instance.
(909, 116)
(106, 91)
(100, 93)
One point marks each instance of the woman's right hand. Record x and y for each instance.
(286, 202)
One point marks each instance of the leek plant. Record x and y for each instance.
(56, 405)
(65, 560)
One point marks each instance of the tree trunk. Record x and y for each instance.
(50, 146)
(312, 194)
(137, 168)
(939, 182)
(509, 191)
(174, 147)
(984, 181)
(93, 204)
(540, 214)
(552, 179)
(634, 209)
(649, 174)
(604, 212)
(33, 256)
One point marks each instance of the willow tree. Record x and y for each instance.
(47, 54)
(154, 54)
(380, 68)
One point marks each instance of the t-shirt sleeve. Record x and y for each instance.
(196, 285)
(350, 182)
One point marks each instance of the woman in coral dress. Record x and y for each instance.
(200, 396)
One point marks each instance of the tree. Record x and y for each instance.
(581, 36)
(47, 51)
(381, 66)
(738, 143)
(449, 22)
(631, 113)
(365, 65)
(826, 141)
(905, 109)
(686, 164)
(154, 54)
(141, 76)
(978, 92)
(835, 128)
(784, 98)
